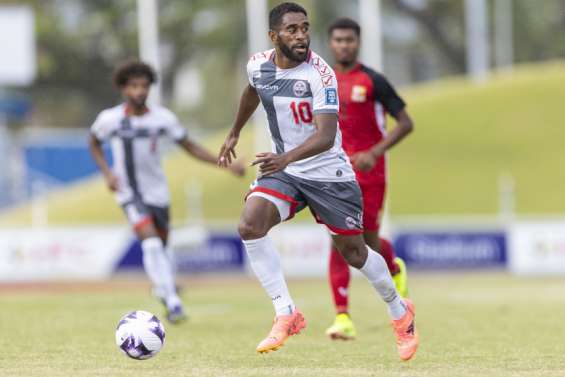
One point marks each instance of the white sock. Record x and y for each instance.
(159, 269)
(265, 262)
(376, 271)
(171, 256)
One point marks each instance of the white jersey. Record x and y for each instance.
(136, 153)
(291, 98)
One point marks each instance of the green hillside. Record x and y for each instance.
(466, 136)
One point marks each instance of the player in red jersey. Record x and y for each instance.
(365, 97)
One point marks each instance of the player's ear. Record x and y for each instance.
(273, 35)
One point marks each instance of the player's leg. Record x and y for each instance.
(339, 278)
(372, 265)
(339, 274)
(339, 206)
(258, 217)
(395, 265)
(155, 260)
(373, 205)
(384, 247)
(270, 202)
(161, 219)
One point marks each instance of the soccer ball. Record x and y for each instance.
(140, 335)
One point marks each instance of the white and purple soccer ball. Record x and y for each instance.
(140, 335)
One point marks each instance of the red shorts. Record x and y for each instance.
(373, 202)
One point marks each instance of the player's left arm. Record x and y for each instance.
(202, 154)
(179, 134)
(396, 107)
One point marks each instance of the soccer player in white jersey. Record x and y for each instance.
(307, 168)
(134, 129)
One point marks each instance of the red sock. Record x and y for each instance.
(339, 281)
(388, 253)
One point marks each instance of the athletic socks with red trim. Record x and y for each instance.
(376, 271)
(265, 262)
(159, 268)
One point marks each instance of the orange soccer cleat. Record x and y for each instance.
(283, 327)
(406, 334)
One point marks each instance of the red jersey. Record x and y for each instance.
(365, 96)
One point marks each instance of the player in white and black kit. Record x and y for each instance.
(134, 130)
(306, 168)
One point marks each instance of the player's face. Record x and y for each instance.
(344, 44)
(293, 37)
(136, 90)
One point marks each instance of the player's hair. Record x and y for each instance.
(130, 69)
(276, 14)
(345, 23)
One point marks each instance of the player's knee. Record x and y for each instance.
(145, 231)
(250, 230)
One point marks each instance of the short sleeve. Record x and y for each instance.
(101, 129)
(323, 84)
(174, 128)
(386, 94)
(250, 69)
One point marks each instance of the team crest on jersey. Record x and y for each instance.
(256, 74)
(331, 96)
(359, 93)
(299, 88)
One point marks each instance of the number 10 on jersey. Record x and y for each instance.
(301, 112)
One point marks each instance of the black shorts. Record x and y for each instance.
(338, 205)
(140, 214)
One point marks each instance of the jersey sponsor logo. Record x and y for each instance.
(327, 81)
(359, 93)
(299, 88)
(267, 87)
(331, 96)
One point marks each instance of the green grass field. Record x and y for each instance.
(466, 137)
(487, 324)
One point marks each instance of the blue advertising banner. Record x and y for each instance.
(452, 249)
(219, 252)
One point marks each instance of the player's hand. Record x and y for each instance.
(227, 151)
(364, 161)
(112, 182)
(270, 163)
(237, 168)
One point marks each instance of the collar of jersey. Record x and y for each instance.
(127, 112)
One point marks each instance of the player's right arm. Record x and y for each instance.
(100, 130)
(97, 153)
(247, 106)
(395, 106)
